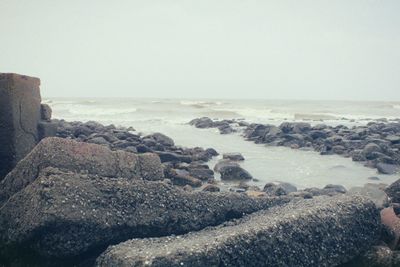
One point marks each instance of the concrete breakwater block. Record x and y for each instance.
(79, 157)
(324, 231)
(20, 112)
(63, 214)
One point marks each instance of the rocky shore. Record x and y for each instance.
(85, 194)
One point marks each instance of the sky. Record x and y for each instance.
(256, 49)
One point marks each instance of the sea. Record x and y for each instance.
(265, 163)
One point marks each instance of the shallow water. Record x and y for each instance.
(302, 168)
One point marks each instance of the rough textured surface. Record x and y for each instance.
(80, 213)
(19, 116)
(77, 157)
(325, 231)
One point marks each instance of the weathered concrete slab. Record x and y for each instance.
(20, 113)
(64, 214)
(324, 231)
(79, 157)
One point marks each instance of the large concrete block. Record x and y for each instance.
(19, 116)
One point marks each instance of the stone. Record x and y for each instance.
(182, 178)
(323, 231)
(370, 148)
(173, 157)
(231, 171)
(80, 213)
(98, 140)
(335, 188)
(45, 112)
(394, 139)
(279, 188)
(162, 139)
(78, 156)
(211, 188)
(236, 156)
(393, 191)
(203, 122)
(19, 117)
(47, 129)
(387, 168)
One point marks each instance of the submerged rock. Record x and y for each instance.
(324, 231)
(233, 156)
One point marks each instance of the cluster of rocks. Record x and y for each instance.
(66, 201)
(377, 144)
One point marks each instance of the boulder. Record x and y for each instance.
(387, 168)
(45, 112)
(393, 191)
(77, 157)
(162, 139)
(324, 231)
(236, 156)
(183, 177)
(370, 148)
(203, 122)
(19, 117)
(173, 157)
(232, 171)
(279, 188)
(211, 188)
(64, 214)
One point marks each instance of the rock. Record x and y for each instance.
(394, 139)
(335, 188)
(47, 129)
(82, 213)
(222, 163)
(98, 140)
(45, 111)
(377, 256)
(78, 156)
(284, 236)
(358, 155)
(231, 171)
(256, 131)
(182, 178)
(212, 152)
(201, 173)
(392, 222)
(233, 156)
(279, 188)
(369, 149)
(393, 191)
(162, 139)
(19, 118)
(204, 122)
(387, 168)
(252, 193)
(173, 157)
(211, 188)
(142, 148)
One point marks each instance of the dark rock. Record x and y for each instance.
(162, 139)
(201, 173)
(212, 152)
(173, 157)
(324, 231)
(143, 149)
(78, 156)
(81, 213)
(369, 149)
(47, 129)
(98, 140)
(394, 139)
(204, 122)
(45, 111)
(232, 171)
(19, 117)
(233, 156)
(335, 188)
(387, 168)
(393, 191)
(279, 188)
(182, 178)
(82, 130)
(211, 188)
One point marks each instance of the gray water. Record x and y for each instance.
(302, 168)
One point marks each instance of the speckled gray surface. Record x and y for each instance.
(77, 157)
(65, 214)
(324, 231)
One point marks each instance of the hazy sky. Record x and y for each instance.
(342, 49)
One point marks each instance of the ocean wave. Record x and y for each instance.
(101, 111)
(396, 106)
(200, 104)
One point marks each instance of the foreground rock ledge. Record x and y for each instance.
(325, 231)
(65, 214)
